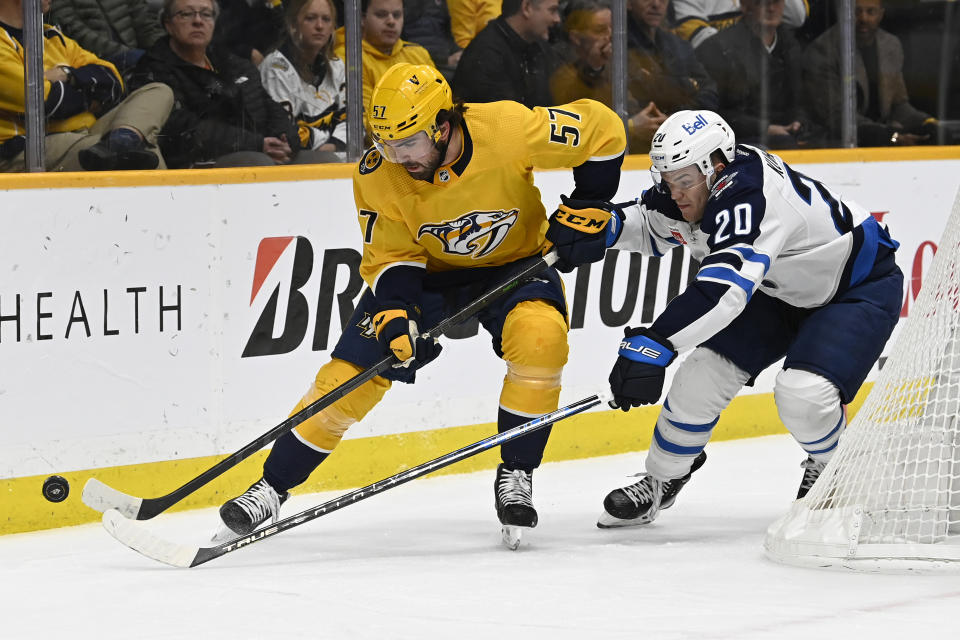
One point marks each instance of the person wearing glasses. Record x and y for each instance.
(223, 116)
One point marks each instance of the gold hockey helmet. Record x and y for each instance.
(406, 101)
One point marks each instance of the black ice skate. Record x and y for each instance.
(811, 471)
(640, 502)
(513, 489)
(246, 512)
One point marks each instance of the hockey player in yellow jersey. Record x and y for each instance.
(447, 207)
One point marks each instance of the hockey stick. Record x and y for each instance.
(101, 497)
(138, 538)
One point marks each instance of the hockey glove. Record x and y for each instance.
(637, 376)
(582, 230)
(398, 334)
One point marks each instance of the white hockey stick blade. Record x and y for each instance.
(512, 536)
(101, 497)
(141, 540)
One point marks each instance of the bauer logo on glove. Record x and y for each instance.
(638, 374)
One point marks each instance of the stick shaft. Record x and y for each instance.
(209, 553)
(151, 507)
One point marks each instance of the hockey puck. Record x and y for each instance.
(56, 488)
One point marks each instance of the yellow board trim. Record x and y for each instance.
(362, 461)
(247, 175)
(836, 156)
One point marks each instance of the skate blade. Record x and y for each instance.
(607, 521)
(511, 536)
(223, 534)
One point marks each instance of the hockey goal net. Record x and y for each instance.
(889, 500)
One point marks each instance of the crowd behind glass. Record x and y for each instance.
(144, 84)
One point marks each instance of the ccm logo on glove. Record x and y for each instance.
(592, 223)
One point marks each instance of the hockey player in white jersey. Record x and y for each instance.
(788, 269)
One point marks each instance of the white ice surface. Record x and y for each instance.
(424, 561)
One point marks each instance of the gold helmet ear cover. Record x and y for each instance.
(407, 100)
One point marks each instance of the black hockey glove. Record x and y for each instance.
(398, 333)
(582, 230)
(637, 376)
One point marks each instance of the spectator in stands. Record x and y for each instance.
(427, 23)
(382, 47)
(509, 59)
(249, 28)
(588, 24)
(757, 65)
(469, 17)
(663, 69)
(586, 51)
(223, 116)
(884, 113)
(698, 20)
(88, 123)
(306, 78)
(117, 31)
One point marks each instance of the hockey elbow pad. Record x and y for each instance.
(638, 374)
(582, 230)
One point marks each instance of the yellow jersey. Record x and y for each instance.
(58, 50)
(482, 209)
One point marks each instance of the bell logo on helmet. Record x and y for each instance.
(692, 127)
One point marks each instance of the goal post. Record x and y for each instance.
(889, 500)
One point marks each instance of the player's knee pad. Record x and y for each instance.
(324, 430)
(534, 344)
(809, 406)
(702, 387)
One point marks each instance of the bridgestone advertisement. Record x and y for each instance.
(140, 324)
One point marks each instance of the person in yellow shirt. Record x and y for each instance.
(469, 17)
(447, 208)
(91, 123)
(382, 47)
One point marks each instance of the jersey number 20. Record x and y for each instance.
(742, 223)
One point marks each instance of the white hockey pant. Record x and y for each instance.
(702, 387)
(809, 406)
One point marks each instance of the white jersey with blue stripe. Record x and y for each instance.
(766, 228)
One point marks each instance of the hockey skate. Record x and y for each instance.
(513, 489)
(811, 471)
(639, 503)
(243, 514)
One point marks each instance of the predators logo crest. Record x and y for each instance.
(477, 233)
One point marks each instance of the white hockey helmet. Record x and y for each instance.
(688, 138)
